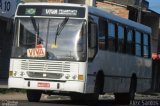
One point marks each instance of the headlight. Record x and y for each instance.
(22, 74)
(67, 76)
(15, 73)
(18, 74)
(74, 77)
(71, 77)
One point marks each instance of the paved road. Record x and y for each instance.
(59, 103)
(73, 103)
(19, 99)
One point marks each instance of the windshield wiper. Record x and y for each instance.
(36, 28)
(60, 28)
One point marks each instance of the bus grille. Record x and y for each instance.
(40, 65)
(47, 69)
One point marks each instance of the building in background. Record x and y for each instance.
(88, 2)
(7, 10)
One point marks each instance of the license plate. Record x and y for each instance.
(43, 84)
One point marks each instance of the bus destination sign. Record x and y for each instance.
(57, 11)
(62, 12)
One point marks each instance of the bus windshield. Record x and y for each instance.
(38, 38)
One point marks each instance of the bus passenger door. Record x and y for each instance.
(92, 40)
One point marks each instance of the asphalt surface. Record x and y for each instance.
(74, 103)
(20, 99)
(60, 103)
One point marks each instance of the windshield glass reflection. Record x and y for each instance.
(68, 45)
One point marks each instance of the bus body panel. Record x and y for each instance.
(67, 86)
(42, 78)
(118, 69)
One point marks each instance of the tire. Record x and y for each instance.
(34, 95)
(133, 86)
(99, 83)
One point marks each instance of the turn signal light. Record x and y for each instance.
(10, 73)
(80, 77)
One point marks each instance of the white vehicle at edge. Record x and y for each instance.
(78, 50)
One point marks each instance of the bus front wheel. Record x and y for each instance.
(99, 83)
(34, 95)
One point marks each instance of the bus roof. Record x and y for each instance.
(98, 12)
(54, 4)
(101, 13)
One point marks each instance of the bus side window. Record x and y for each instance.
(111, 36)
(102, 35)
(121, 39)
(130, 44)
(146, 45)
(138, 44)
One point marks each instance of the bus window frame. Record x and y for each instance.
(138, 43)
(115, 39)
(146, 45)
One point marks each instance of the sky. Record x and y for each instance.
(154, 5)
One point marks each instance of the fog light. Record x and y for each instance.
(22, 74)
(15, 73)
(10, 73)
(74, 77)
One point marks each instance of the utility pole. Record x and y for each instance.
(139, 11)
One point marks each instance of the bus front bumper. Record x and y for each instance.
(69, 86)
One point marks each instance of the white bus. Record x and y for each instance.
(78, 50)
